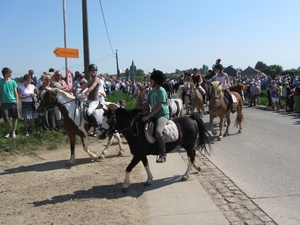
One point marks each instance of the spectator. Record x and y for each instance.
(78, 78)
(297, 96)
(33, 77)
(275, 96)
(48, 119)
(101, 90)
(59, 83)
(27, 93)
(122, 103)
(256, 92)
(80, 91)
(9, 101)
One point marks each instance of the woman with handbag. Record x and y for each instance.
(27, 92)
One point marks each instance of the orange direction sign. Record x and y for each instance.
(66, 52)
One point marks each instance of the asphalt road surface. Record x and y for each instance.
(264, 161)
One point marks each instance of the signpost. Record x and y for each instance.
(66, 52)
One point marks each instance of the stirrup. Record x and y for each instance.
(161, 159)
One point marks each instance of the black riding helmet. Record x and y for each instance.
(158, 77)
(92, 67)
(219, 66)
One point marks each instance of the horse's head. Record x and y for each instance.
(118, 119)
(216, 93)
(48, 101)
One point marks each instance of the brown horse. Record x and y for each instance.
(197, 100)
(218, 106)
(75, 121)
(239, 88)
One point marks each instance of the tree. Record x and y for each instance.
(275, 69)
(262, 67)
(140, 73)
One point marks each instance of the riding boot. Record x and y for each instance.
(95, 124)
(162, 150)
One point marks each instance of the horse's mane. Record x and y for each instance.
(64, 93)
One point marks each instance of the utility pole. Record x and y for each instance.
(65, 33)
(86, 50)
(118, 71)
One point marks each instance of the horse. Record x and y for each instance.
(187, 98)
(197, 100)
(129, 123)
(218, 106)
(239, 88)
(175, 107)
(75, 122)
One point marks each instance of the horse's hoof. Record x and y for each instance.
(101, 156)
(220, 138)
(69, 164)
(147, 184)
(124, 190)
(198, 168)
(120, 153)
(240, 131)
(183, 178)
(214, 132)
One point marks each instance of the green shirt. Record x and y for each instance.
(159, 95)
(7, 90)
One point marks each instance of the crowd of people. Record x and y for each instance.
(279, 89)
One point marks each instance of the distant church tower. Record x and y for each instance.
(133, 67)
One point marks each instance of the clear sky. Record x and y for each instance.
(161, 34)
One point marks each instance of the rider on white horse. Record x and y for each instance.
(92, 93)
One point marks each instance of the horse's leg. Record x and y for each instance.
(221, 127)
(192, 162)
(149, 174)
(102, 155)
(121, 150)
(85, 145)
(135, 160)
(211, 119)
(226, 133)
(71, 162)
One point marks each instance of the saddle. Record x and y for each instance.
(170, 132)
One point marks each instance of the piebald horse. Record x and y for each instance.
(75, 122)
(218, 106)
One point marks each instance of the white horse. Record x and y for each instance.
(76, 121)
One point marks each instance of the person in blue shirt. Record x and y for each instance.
(158, 100)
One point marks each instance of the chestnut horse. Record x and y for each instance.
(218, 106)
(75, 122)
(239, 88)
(175, 107)
(197, 100)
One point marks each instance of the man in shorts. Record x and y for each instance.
(9, 101)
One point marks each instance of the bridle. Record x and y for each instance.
(112, 122)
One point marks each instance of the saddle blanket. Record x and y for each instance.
(170, 132)
(234, 99)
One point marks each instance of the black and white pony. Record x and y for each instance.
(75, 121)
(189, 130)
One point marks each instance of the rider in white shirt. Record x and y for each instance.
(224, 79)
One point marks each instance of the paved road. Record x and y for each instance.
(263, 163)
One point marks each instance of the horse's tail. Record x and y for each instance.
(240, 115)
(203, 137)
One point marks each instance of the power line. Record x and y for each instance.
(106, 27)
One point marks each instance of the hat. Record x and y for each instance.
(83, 81)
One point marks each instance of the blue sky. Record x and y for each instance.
(161, 34)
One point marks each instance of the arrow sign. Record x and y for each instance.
(66, 52)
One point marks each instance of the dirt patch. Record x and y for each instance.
(39, 189)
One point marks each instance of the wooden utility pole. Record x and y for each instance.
(65, 34)
(86, 50)
(118, 71)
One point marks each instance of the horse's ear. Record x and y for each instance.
(220, 83)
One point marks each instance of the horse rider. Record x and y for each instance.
(92, 96)
(158, 100)
(224, 79)
(197, 79)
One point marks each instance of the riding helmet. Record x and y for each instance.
(92, 67)
(219, 66)
(158, 77)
